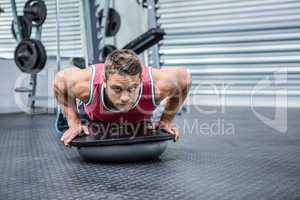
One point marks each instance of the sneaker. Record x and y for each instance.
(61, 123)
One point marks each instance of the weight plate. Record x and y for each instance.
(106, 50)
(36, 10)
(42, 57)
(113, 22)
(26, 55)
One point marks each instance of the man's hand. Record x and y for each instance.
(72, 132)
(168, 126)
(171, 128)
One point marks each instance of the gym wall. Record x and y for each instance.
(239, 52)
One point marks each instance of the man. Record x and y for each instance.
(120, 89)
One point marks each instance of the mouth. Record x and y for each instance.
(123, 105)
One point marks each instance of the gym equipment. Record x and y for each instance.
(42, 57)
(25, 27)
(26, 55)
(113, 22)
(152, 23)
(78, 62)
(138, 45)
(144, 3)
(149, 145)
(108, 23)
(30, 56)
(106, 50)
(36, 11)
(94, 33)
(146, 40)
(124, 153)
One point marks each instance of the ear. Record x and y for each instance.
(141, 78)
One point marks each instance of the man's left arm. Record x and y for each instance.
(173, 85)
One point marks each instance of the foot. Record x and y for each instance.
(61, 123)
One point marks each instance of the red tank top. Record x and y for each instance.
(142, 110)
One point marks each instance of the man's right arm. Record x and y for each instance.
(70, 84)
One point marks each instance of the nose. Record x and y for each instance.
(124, 97)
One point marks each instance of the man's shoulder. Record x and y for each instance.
(168, 80)
(75, 74)
(77, 80)
(164, 74)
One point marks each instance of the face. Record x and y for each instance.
(122, 90)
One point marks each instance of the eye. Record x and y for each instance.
(117, 90)
(132, 89)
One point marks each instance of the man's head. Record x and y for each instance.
(122, 78)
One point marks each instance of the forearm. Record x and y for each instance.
(171, 108)
(173, 105)
(70, 111)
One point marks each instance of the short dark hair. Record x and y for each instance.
(123, 62)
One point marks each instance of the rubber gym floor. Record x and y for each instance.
(230, 154)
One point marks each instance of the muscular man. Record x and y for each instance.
(120, 89)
